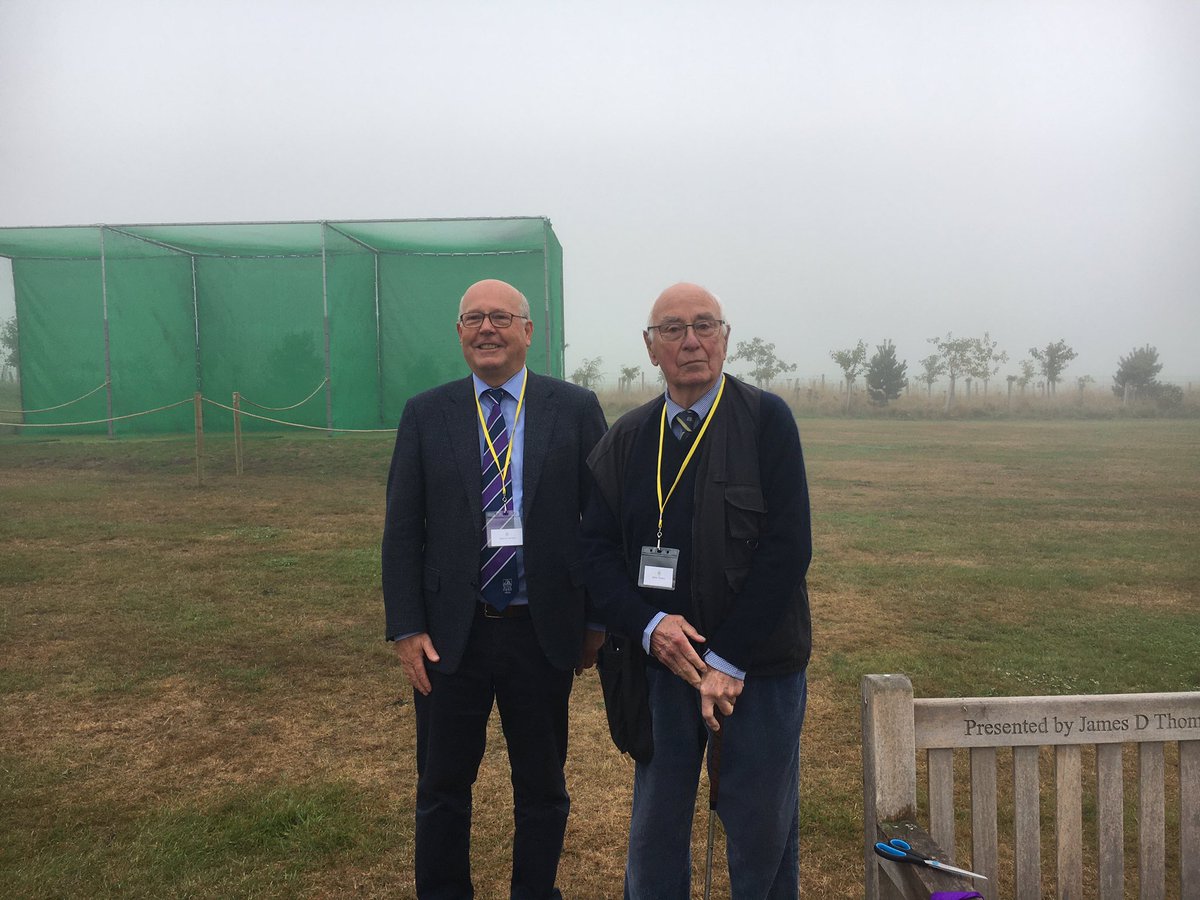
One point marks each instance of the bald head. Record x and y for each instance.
(682, 291)
(690, 364)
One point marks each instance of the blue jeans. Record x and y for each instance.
(758, 802)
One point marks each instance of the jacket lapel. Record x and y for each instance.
(462, 429)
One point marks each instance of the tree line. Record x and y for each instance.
(968, 361)
(978, 359)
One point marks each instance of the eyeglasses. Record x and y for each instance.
(499, 319)
(674, 331)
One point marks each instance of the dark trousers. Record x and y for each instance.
(504, 663)
(759, 798)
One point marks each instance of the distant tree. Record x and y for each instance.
(960, 359)
(886, 376)
(761, 356)
(987, 361)
(932, 368)
(8, 344)
(1168, 396)
(1138, 371)
(1053, 358)
(851, 362)
(629, 374)
(588, 374)
(1028, 371)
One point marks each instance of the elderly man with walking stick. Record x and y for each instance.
(697, 541)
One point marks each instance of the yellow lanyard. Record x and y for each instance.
(662, 432)
(511, 438)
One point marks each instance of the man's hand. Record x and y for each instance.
(671, 645)
(412, 653)
(718, 693)
(587, 655)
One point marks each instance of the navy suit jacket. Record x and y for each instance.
(433, 530)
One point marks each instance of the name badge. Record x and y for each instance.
(503, 529)
(657, 568)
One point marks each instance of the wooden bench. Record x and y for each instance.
(896, 727)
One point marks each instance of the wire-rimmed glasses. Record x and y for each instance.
(701, 328)
(499, 319)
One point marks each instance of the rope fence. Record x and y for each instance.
(250, 415)
(316, 390)
(25, 412)
(103, 421)
(208, 400)
(198, 400)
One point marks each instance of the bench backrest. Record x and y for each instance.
(896, 727)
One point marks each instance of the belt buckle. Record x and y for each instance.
(490, 612)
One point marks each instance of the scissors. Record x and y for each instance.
(902, 851)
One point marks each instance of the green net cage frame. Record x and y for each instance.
(330, 325)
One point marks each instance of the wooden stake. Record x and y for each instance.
(237, 432)
(199, 403)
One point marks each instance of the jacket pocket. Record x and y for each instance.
(744, 511)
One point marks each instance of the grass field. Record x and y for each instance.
(195, 699)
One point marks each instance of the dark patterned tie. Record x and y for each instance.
(687, 421)
(497, 565)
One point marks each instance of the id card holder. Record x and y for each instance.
(503, 529)
(657, 568)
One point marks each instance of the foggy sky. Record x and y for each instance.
(835, 171)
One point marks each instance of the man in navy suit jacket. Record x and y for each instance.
(459, 652)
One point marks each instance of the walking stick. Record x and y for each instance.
(714, 788)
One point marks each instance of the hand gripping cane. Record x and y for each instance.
(714, 788)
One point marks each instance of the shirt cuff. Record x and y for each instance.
(650, 630)
(722, 665)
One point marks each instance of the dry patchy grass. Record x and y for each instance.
(197, 701)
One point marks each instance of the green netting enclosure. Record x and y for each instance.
(326, 324)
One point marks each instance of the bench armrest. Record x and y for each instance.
(918, 882)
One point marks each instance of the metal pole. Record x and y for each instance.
(546, 298)
(108, 397)
(325, 319)
(196, 326)
(378, 341)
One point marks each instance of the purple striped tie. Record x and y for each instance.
(497, 565)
